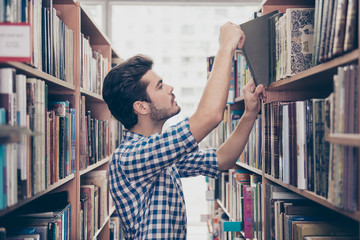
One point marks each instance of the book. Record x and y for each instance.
(300, 144)
(99, 179)
(256, 47)
(301, 230)
(329, 238)
(340, 21)
(248, 212)
(351, 26)
(89, 191)
(299, 39)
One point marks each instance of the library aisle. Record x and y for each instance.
(194, 191)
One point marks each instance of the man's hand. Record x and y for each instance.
(231, 36)
(252, 96)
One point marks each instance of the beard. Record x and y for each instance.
(160, 114)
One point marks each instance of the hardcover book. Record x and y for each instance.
(256, 47)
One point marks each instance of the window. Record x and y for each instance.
(187, 29)
(95, 11)
(187, 91)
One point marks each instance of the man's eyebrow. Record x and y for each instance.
(159, 82)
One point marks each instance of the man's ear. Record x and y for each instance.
(141, 107)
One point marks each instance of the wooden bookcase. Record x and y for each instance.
(316, 82)
(71, 13)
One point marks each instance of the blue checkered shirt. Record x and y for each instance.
(144, 180)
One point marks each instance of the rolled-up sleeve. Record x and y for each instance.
(201, 162)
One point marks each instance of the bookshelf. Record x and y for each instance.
(80, 94)
(316, 82)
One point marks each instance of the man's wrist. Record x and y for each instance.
(226, 49)
(250, 115)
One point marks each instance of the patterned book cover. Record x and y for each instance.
(300, 39)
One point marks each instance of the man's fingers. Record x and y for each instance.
(260, 89)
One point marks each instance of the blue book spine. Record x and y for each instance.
(2, 163)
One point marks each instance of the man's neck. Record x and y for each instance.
(147, 128)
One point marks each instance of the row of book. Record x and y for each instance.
(93, 202)
(14, 11)
(291, 42)
(345, 100)
(94, 67)
(116, 233)
(49, 153)
(239, 192)
(251, 154)
(295, 151)
(217, 221)
(219, 135)
(241, 73)
(286, 215)
(290, 216)
(98, 138)
(335, 29)
(343, 160)
(40, 220)
(292, 46)
(57, 45)
(52, 41)
(239, 76)
(53, 44)
(245, 198)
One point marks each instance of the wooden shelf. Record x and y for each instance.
(344, 139)
(318, 76)
(94, 166)
(252, 169)
(91, 96)
(26, 201)
(112, 210)
(101, 228)
(239, 99)
(89, 28)
(34, 72)
(316, 198)
(223, 207)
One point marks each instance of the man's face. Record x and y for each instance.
(162, 101)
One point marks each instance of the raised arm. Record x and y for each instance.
(228, 153)
(212, 103)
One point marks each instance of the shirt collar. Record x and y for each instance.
(128, 135)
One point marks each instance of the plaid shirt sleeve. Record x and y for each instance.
(201, 162)
(143, 159)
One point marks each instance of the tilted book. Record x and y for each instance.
(256, 47)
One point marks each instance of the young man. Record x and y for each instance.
(145, 170)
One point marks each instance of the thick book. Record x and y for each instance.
(89, 190)
(256, 47)
(301, 230)
(99, 178)
(351, 26)
(299, 39)
(340, 21)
